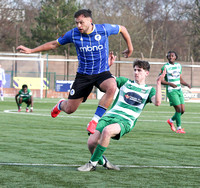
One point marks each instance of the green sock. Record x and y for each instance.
(177, 117)
(97, 155)
(101, 161)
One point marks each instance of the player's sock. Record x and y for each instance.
(94, 163)
(98, 153)
(99, 113)
(179, 127)
(59, 105)
(101, 161)
(177, 117)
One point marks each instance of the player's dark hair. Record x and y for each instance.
(170, 52)
(142, 64)
(85, 12)
(24, 86)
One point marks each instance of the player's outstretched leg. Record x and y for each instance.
(56, 109)
(91, 127)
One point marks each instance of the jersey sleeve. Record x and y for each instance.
(20, 92)
(66, 38)
(181, 69)
(162, 69)
(112, 29)
(151, 94)
(29, 92)
(121, 81)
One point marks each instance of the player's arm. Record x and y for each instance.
(127, 53)
(16, 96)
(31, 101)
(183, 82)
(156, 99)
(168, 83)
(44, 47)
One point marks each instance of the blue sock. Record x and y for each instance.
(59, 106)
(100, 111)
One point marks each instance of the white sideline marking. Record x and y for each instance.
(72, 165)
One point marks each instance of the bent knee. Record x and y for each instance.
(111, 89)
(106, 132)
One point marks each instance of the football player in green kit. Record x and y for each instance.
(121, 118)
(173, 80)
(24, 95)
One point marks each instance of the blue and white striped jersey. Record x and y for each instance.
(93, 48)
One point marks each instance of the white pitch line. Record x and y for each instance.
(73, 165)
(84, 117)
(44, 115)
(82, 110)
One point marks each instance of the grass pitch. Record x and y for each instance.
(39, 151)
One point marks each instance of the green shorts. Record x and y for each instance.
(26, 99)
(176, 97)
(107, 120)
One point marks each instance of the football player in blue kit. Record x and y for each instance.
(92, 47)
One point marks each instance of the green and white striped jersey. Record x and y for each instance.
(131, 100)
(173, 72)
(25, 94)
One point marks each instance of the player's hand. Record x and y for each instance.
(23, 49)
(161, 76)
(127, 53)
(173, 85)
(189, 86)
(111, 58)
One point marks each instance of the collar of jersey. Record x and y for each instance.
(92, 30)
(138, 84)
(172, 64)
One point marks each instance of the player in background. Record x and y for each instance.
(24, 95)
(2, 81)
(92, 47)
(173, 81)
(122, 117)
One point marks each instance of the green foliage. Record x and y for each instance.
(55, 18)
(151, 155)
